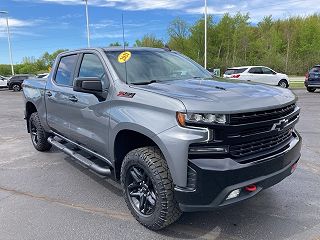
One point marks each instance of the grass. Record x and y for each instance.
(296, 85)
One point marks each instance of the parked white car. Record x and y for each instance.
(258, 74)
(3, 81)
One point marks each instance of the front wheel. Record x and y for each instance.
(283, 84)
(39, 136)
(310, 89)
(148, 188)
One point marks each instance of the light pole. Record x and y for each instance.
(87, 18)
(205, 33)
(9, 40)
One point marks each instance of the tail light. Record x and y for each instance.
(235, 76)
(307, 76)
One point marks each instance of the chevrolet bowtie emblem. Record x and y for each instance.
(280, 125)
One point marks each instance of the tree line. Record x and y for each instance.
(289, 45)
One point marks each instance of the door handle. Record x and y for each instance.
(49, 94)
(73, 99)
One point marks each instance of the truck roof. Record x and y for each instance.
(110, 49)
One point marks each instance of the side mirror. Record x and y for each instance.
(87, 85)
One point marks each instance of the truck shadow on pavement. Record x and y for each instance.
(256, 218)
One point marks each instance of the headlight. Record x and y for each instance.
(208, 118)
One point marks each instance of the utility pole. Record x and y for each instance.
(87, 18)
(9, 40)
(205, 33)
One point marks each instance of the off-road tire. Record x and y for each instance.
(310, 89)
(35, 127)
(151, 160)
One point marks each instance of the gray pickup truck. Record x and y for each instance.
(177, 139)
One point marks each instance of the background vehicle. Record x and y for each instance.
(42, 75)
(176, 139)
(15, 82)
(312, 81)
(258, 74)
(3, 82)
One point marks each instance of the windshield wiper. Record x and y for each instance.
(145, 83)
(202, 78)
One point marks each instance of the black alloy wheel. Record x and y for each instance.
(140, 190)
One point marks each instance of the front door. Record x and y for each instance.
(255, 74)
(269, 77)
(90, 114)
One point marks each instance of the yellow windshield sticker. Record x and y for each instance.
(124, 57)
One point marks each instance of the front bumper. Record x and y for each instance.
(217, 178)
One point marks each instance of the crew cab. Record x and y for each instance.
(259, 74)
(176, 139)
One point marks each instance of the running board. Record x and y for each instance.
(85, 161)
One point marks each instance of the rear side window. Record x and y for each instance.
(315, 70)
(256, 70)
(65, 70)
(235, 71)
(91, 66)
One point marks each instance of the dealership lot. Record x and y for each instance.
(48, 196)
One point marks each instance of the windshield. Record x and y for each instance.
(145, 66)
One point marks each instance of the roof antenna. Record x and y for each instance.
(124, 43)
(124, 48)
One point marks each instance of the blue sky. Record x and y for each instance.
(46, 25)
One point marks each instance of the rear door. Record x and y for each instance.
(59, 96)
(269, 76)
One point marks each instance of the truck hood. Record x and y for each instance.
(222, 96)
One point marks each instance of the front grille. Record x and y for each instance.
(262, 145)
(245, 118)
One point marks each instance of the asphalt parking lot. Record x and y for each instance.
(48, 196)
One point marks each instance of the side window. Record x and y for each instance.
(65, 70)
(315, 70)
(267, 71)
(91, 66)
(256, 70)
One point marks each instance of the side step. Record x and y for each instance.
(85, 161)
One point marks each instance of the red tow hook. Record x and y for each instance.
(251, 188)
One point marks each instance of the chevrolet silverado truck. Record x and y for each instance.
(176, 139)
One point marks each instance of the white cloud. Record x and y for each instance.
(107, 35)
(130, 5)
(259, 8)
(15, 22)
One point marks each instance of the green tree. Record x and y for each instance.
(149, 40)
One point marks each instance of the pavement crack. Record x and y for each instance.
(84, 208)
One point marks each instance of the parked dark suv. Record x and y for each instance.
(15, 82)
(312, 81)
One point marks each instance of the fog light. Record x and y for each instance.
(234, 194)
(208, 149)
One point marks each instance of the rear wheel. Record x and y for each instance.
(283, 83)
(16, 87)
(309, 89)
(148, 188)
(39, 136)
